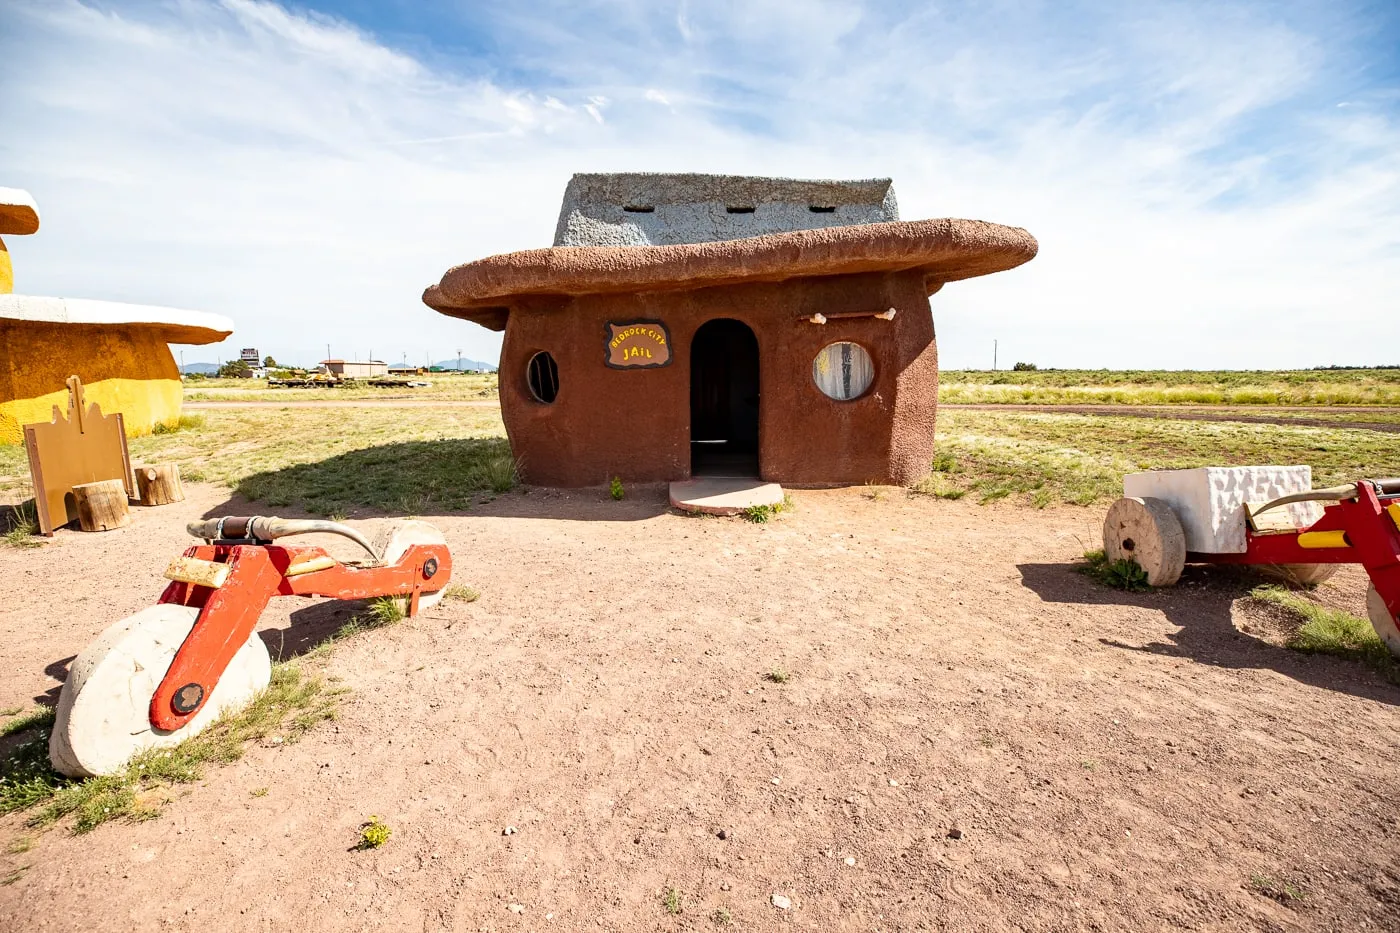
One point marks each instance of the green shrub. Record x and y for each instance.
(1121, 574)
(374, 832)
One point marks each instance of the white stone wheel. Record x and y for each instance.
(1302, 574)
(103, 715)
(394, 538)
(1147, 532)
(1383, 620)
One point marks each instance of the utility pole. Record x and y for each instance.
(328, 352)
(994, 356)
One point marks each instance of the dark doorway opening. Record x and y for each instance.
(724, 400)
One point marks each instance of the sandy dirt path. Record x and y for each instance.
(1108, 761)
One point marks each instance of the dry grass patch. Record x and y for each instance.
(1166, 387)
(331, 460)
(292, 703)
(1080, 459)
(1321, 630)
(445, 387)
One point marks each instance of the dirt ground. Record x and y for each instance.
(973, 737)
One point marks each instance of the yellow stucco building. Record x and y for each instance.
(119, 350)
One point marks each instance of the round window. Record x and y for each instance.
(843, 371)
(543, 377)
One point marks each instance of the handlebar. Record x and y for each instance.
(259, 528)
(1330, 494)
(1384, 487)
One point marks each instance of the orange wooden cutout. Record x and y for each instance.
(85, 446)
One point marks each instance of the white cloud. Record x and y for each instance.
(1199, 197)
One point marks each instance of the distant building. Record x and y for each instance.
(356, 368)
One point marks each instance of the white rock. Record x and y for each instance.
(851, 860)
(517, 908)
(782, 902)
(1210, 501)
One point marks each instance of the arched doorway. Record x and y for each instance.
(724, 400)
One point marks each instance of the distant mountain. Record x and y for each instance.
(202, 369)
(464, 363)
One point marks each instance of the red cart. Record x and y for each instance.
(1359, 525)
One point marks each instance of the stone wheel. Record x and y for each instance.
(1383, 620)
(1147, 532)
(394, 538)
(1301, 574)
(104, 707)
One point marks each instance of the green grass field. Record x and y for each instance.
(1081, 459)
(1325, 387)
(416, 460)
(328, 460)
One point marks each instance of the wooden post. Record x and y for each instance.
(159, 484)
(102, 506)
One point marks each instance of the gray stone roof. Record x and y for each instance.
(652, 209)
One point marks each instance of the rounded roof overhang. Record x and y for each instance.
(172, 325)
(944, 250)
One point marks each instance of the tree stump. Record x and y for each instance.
(159, 484)
(102, 506)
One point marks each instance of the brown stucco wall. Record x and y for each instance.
(636, 423)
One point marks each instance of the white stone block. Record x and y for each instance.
(1210, 501)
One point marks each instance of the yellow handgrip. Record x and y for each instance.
(1394, 510)
(309, 566)
(198, 572)
(1323, 539)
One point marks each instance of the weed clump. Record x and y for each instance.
(23, 526)
(1284, 892)
(671, 900)
(382, 611)
(615, 489)
(777, 676)
(40, 716)
(760, 514)
(374, 832)
(175, 425)
(462, 592)
(1121, 574)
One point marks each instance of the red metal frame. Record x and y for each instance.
(1372, 535)
(229, 614)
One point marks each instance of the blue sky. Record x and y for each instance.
(1212, 184)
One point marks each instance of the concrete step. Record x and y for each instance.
(724, 495)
